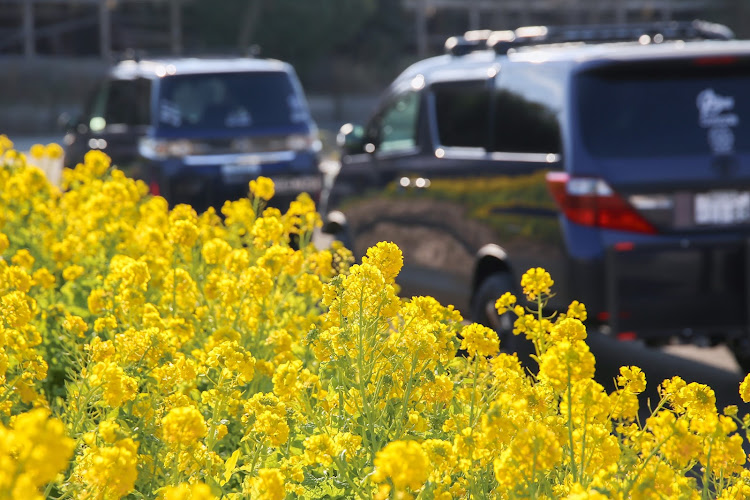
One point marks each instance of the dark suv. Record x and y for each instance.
(198, 129)
(616, 157)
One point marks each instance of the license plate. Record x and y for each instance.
(722, 207)
(239, 173)
(297, 184)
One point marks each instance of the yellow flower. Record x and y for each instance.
(183, 425)
(479, 340)
(577, 310)
(569, 329)
(268, 485)
(108, 472)
(33, 450)
(4, 243)
(44, 278)
(505, 302)
(186, 491)
(405, 463)
(578, 492)
(745, 389)
(262, 188)
(183, 233)
(565, 363)
(16, 309)
(319, 449)
(116, 385)
(536, 282)
(96, 163)
(24, 259)
(54, 151)
(439, 390)
(75, 325)
(387, 257)
(215, 251)
(632, 379)
(36, 151)
(535, 448)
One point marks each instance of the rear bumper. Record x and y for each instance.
(687, 288)
(209, 184)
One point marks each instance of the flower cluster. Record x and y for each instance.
(159, 353)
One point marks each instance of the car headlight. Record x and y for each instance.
(303, 142)
(159, 149)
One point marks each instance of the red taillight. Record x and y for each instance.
(715, 60)
(627, 336)
(590, 201)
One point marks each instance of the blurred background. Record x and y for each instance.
(345, 51)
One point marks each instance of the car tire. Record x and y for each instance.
(483, 311)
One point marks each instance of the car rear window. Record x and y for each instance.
(698, 107)
(230, 100)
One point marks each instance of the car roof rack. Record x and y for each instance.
(502, 41)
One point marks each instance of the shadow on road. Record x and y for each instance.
(658, 365)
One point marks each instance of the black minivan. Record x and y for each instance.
(615, 157)
(198, 129)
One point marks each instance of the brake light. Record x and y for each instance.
(715, 60)
(590, 201)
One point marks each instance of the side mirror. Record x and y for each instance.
(351, 139)
(68, 120)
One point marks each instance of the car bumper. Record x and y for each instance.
(210, 180)
(676, 288)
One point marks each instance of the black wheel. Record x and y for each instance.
(740, 347)
(483, 311)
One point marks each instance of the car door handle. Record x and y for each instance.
(414, 182)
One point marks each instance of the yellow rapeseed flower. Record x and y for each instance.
(268, 485)
(387, 257)
(24, 259)
(183, 426)
(117, 387)
(479, 340)
(405, 463)
(745, 389)
(262, 188)
(187, 491)
(536, 282)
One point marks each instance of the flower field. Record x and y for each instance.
(150, 353)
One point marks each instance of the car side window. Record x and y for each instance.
(396, 127)
(462, 113)
(524, 126)
(121, 102)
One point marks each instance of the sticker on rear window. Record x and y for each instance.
(169, 113)
(715, 113)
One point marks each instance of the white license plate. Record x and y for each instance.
(297, 184)
(238, 173)
(722, 207)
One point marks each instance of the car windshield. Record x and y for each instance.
(230, 100)
(703, 108)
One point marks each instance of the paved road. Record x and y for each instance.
(713, 366)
